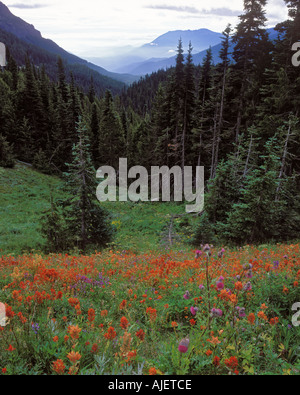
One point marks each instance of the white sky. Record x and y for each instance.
(88, 27)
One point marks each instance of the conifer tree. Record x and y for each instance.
(188, 109)
(222, 72)
(7, 158)
(84, 223)
(177, 106)
(111, 139)
(204, 114)
(95, 132)
(250, 41)
(252, 219)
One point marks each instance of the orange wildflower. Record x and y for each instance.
(124, 323)
(10, 348)
(274, 321)
(140, 334)
(233, 299)
(152, 372)
(111, 333)
(73, 301)
(74, 357)
(91, 315)
(58, 366)
(231, 363)
(262, 315)
(152, 313)
(74, 331)
(238, 285)
(251, 318)
(131, 355)
(214, 340)
(73, 370)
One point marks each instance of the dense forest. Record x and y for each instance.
(239, 119)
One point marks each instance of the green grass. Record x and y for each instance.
(25, 195)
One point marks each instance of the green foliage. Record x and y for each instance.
(7, 158)
(82, 223)
(223, 117)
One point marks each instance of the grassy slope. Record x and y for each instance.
(25, 195)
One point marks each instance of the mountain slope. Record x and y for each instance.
(81, 73)
(160, 49)
(152, 65)
(168, 42)
(28, 34)
(140, 226)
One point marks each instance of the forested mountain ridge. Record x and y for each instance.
(82, 75)
(27, 34)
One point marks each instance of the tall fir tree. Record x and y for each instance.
(84, 223)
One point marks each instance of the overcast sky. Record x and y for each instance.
(87, 27)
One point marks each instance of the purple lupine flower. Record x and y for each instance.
(241, 311)
(206, 248)
(276, 265)
(35, 327)
(184, 345)
(247, 286)
(198, 254)
(187, 295)
(216, 312)
(194, 310)
(249, 274)
(221, 253)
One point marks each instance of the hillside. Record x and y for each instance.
(25, 195)
(160, 49)
(202, 38)
(23, 37)
(82, 74)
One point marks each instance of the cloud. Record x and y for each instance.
(173, 8)
(223, 11)
(27, 6)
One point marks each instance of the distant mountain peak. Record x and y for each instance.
(15, 25)
(4, 10)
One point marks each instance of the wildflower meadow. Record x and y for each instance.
(204, 312)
